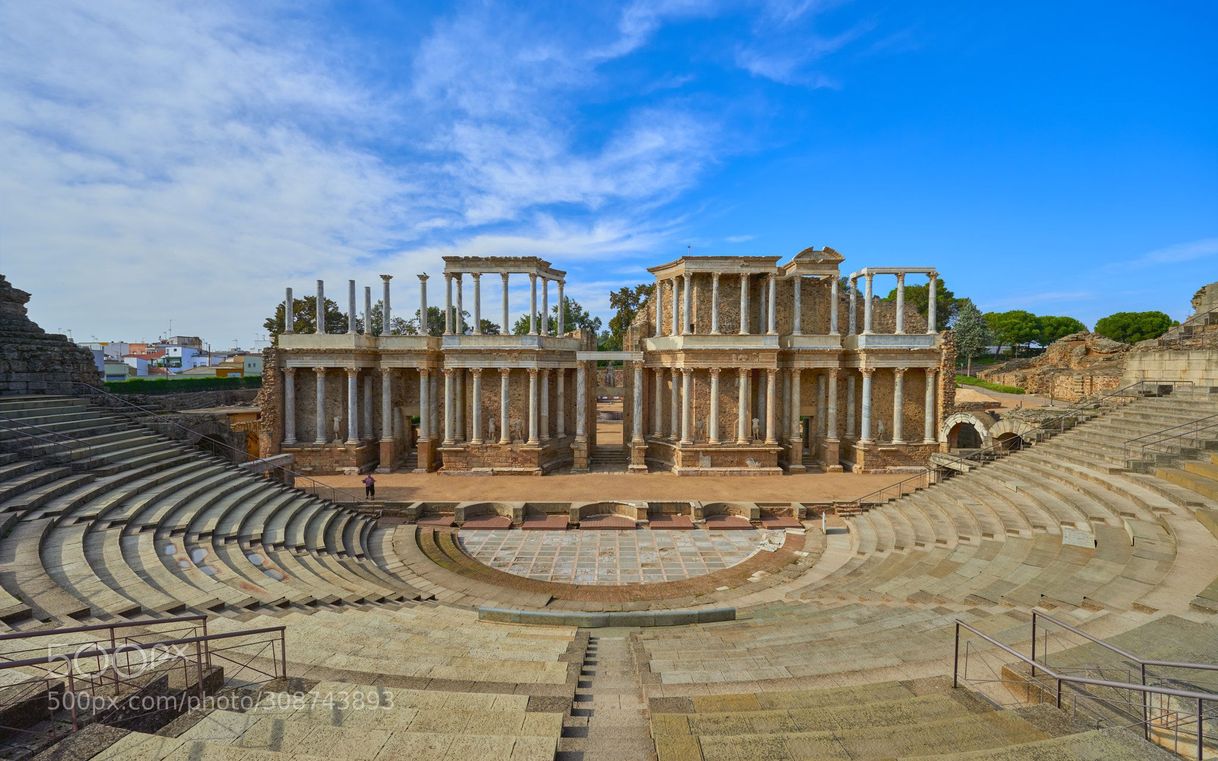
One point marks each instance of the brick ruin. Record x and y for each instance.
(33, 361)
(817, 360)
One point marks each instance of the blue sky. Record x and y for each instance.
(187, 161)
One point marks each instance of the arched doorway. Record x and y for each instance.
(610, 452)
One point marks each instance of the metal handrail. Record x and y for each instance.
(242, 454)
(1066, 679)
(1195, 428)
(1108, 646)
(101, 627)
(1174, 333)
(57, 438)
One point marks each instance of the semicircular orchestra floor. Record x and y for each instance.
(616, 557)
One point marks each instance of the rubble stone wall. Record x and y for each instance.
(33, 361)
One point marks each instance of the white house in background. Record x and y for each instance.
(139, 364)
(180, 357)
(116, 370)
(251, 364)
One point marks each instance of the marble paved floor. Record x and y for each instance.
(615, 557)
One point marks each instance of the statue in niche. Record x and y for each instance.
(756, 429)
(517, 431)
(700, 430)
(338, 428)
(490, 425)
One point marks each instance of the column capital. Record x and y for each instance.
(319, 370)
(532, 372)
(476, 276)
(900, 278)
(715, 275)
(476, 371)
(448, 276)
(833, 371)
(932, 371)
(289, 371)
(449, 371)
(772, 372)
(423, 277)
(714, 371)
(868, 371)
(424, 372)
(386, 278)
(532, 277)
(352, 371)
(899, 370)
(505, 371)
(505, 276)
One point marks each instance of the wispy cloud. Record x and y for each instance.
(739, 238)
(1175, 254)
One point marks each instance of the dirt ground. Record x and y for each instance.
(1009, 401)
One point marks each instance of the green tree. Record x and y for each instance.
(1131, 327)
(972, 332)
(305, 312)
(397, 324)
(489, 328)
(1053, 327)
(574, 317)
(627, 302)
(1015, 328)
(919, 297)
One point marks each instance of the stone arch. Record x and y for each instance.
(978, 423)
(1014, 433)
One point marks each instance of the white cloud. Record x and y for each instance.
(739, 238)
(1180, 252)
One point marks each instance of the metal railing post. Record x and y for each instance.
(956, 659)
(72, 693)
(1034, 644)
(1145, 703)
(1200, 728)
(1059, 692)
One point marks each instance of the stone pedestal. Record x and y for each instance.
(388, 457)
(795, 457)
(638, 457)
(832, 456)
(427, 450)
(579, 452)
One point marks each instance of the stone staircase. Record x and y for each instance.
(604, 459)
(103, 519)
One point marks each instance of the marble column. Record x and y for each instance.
(657, 403)
(562, 317)
(560, 399)
(712, 428)
(822, 403)
(931, 297)
(867, 307)
(505, 328)
(850, 405)
(424, 327)
(458, 317)
(657, 294)
(771, 390)
(898, 405)
(686, 303)
(386, 314)
(320, 308)
(784, 412)
(797, 319)
(762, 312)
(772, 305)
(687, 384)
(831, 407)
(833, 306)
(448, 304)
(289, 313)
(865, 426)
(448, 406)
(533, 441)
(545, 405)
(545, 312)
(581, 402)
(476, 401)
(434, 409)
(852, 318)
(714, 304)
(319, 414)
(350, 306)
(352, 405)
(900, 303)
(928, 423)
(425, 404)
(367, 311)
(676, 307)
(795, 431)
(674, 407)
(459, 405)
(477, 276)
(532, 303)
(289, 406)
(636, 423)
(505, 398)
(386, 404)
(744, 304)
(742, 406)
(366, 424)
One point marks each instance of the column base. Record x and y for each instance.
(795, 459)
(426, 456)
(638, 457)
(387, 458)
(579, 456)
(832, 456)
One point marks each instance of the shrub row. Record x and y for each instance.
(181, 385)
(968, 380)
